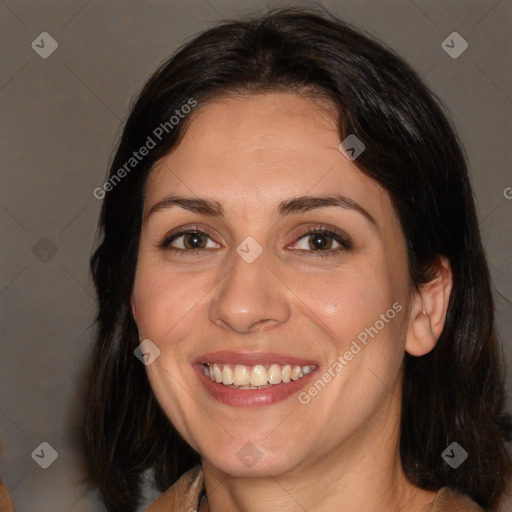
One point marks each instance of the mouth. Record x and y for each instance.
(254, 377)
(246, 379)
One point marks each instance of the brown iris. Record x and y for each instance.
(319, 242)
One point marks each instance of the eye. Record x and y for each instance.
(188, 241)
(320, 239)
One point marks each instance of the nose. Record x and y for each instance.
(250, 297)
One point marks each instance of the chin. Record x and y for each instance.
(256, 458)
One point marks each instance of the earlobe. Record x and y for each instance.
(420, 337)
(428, 312)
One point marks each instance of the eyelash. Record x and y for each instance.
(343, 240)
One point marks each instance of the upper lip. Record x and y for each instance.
(251, 358)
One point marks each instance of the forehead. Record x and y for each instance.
(249, 152)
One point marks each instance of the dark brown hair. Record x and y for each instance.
(454, 393)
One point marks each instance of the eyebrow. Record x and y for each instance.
(298, 204)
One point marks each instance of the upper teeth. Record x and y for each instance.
(254, 376)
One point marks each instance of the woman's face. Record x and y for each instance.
(298, 264)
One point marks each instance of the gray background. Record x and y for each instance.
(60, 119)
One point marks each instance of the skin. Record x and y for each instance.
(249, 153)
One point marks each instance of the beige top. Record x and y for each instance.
(184, 496)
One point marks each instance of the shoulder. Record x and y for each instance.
(6, 503)
(449, 500)
(182, 495)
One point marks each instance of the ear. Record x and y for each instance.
(428, 311)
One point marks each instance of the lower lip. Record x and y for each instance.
(251, 397)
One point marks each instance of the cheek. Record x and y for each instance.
(168, 302)
(349, 300)
(365, 314)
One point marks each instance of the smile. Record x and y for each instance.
(259, 376)
(247, 378)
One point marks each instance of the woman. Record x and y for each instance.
(294, 306)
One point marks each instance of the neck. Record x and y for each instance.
(329, 489)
